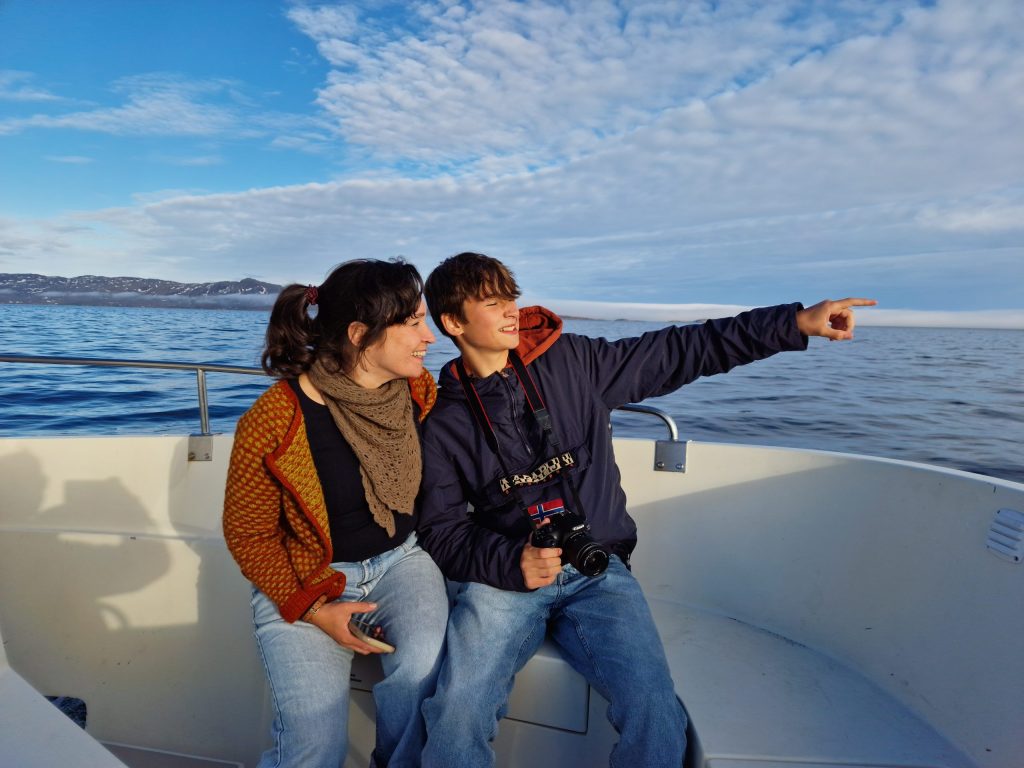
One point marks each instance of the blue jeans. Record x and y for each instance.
(605, 631)
(309, 672)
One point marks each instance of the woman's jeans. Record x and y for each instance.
(309, 672)
(605, 631)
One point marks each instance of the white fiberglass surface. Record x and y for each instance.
(879, 568)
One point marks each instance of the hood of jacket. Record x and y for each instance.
(539, 328)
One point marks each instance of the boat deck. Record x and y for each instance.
(757, 698)
(816, 609)
(754, 699)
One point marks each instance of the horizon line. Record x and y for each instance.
(989, 319)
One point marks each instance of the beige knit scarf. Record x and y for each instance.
(379, 425)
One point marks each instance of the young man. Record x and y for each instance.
(486, 445)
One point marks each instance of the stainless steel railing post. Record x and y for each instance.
(204, 408)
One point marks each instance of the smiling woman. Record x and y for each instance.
(399, 354)
(319, 512)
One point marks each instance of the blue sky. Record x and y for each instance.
(739, 153)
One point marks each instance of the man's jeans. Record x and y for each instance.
(605, 631)
(309, 672)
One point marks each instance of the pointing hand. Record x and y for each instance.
(830, 319)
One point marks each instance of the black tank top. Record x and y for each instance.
(354, 533)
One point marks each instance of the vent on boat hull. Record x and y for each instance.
(1006, 535)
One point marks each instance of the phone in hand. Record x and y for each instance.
(370, 634)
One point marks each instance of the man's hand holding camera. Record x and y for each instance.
(540, 565)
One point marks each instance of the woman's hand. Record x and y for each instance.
(333, 618)
(831, 319)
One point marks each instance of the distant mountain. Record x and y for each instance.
(93, 290)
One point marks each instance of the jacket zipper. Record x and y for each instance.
(515, 413)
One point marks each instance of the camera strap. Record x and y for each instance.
(560, 462)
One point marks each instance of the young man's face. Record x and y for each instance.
(491, 325)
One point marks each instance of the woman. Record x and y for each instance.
(318, 512)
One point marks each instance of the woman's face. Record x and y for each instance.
(398, 355)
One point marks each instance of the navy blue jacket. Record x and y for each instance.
(581, 380)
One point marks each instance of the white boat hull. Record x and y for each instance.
(817, 608)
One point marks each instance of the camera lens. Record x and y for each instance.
(590, 559)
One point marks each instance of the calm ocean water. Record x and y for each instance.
(951, 397)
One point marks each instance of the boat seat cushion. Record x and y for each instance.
(755, 697)
(547, 690)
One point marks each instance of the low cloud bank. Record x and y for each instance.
(137, 299)
(686, 313)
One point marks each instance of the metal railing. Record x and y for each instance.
(199, 368)
(673, 433)
(670, 455)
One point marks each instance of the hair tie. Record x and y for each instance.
(312, 293)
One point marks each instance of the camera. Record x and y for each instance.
(571, 532)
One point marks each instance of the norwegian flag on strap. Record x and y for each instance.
(545, 509)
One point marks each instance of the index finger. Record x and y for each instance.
(541, 553)
(852, 302)
(361, 607)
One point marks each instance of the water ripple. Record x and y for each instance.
(947, 397)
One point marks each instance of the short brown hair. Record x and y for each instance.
(466, 276)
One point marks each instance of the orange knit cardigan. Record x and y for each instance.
(275, 519)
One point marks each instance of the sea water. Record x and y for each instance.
(951, 397)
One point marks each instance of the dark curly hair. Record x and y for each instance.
(375, 293)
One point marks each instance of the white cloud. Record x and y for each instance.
(17, 86)
(742, 152)
(1010, 319)
(607, 310)
(190, 161)
(990, 216)
(768, 136)
(578, 250)
(69, 159)
(324, 22)
(168, 105)
(545, 80)
(155, 105)
(741, 92)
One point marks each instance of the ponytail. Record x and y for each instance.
(291, 336)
